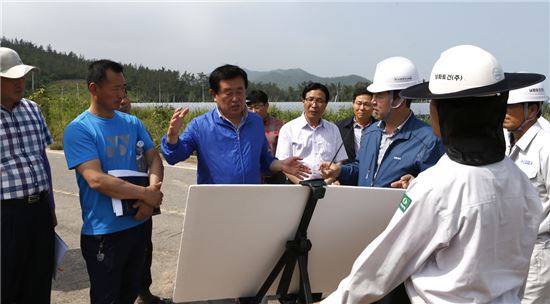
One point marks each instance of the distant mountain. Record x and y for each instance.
(293, 77)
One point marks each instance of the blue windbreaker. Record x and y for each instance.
(225, 154)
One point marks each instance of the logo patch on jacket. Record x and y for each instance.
(405, 203)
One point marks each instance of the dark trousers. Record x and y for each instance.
(277, 178)
(396, 296)
(115, 264)
(147, 279)
(27, 252)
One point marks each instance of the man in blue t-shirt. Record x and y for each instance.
(99, 140)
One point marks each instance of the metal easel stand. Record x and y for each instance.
(296, 251)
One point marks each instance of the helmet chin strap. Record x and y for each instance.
(526, 118)
(401, 100)
(392, 106)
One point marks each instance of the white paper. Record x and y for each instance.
(117, 203)
(60, 248)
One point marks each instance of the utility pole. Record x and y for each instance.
(159, 92)
(32, 81)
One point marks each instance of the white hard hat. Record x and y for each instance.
(11, 65)
(394, 73)
(534, 93)
(469, 71)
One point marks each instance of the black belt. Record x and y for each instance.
(31, 199)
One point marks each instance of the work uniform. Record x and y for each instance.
(462, 234)
(531, 153)
(544, 124)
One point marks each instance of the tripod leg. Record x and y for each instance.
(271, 278)
(286, 277)
(305, 287)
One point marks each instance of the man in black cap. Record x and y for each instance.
(465, 229)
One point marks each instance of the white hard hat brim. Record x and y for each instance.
(17, 71)
(378, 88)
(522, 100)
(511, 81)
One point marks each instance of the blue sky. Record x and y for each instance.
(323, 38)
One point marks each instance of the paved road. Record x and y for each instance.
(72, 285)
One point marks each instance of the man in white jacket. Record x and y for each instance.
(529, 148)
(466, 227)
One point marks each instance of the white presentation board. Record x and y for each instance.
(233, 235)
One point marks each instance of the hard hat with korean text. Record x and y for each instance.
(468, 71)
(534, 93)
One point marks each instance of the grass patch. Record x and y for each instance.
(62, 101)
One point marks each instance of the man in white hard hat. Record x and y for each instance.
(544, 123)
(529, 148)
(400, 143)
(28, 212)
(465, 229)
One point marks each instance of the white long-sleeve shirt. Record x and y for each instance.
(544, 124)
(531, 153)
(314, 145)
(462, 234)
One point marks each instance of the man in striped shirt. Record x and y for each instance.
(28, 214)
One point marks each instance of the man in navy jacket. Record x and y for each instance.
(399, 144)
(395, 149)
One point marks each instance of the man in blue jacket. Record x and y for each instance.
(230, 142)
(395, 149)
(400, 144)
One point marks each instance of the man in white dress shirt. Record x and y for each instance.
(310, 136)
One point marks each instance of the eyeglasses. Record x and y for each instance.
(316, 100)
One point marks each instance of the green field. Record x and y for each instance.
(62, 101)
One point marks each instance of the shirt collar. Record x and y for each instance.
(15, 105)
(528, 136)
(303, 122)
(382, 124)
(356, 125)
(243, 117)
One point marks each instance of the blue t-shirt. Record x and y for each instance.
(113, 142)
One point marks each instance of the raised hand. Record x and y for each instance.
(176, 122)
